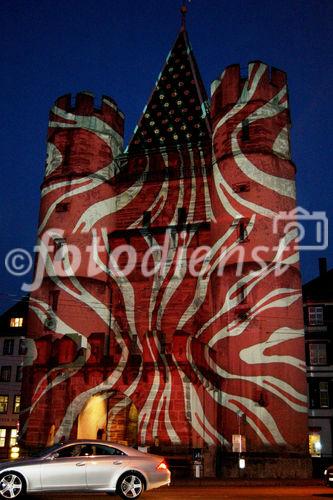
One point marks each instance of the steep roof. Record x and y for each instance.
(18, 310)
(177, 111)
(319, 288)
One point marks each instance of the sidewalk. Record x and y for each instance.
(239, 482)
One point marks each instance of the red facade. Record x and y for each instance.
(199, 328)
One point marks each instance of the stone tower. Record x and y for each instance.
(257, 330)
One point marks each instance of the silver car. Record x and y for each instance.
(85, 465)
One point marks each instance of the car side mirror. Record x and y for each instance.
(53, 456)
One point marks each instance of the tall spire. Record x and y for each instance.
(177, 111)
(183, 11)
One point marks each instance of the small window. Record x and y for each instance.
(62, 207)
(13, 437)
(16, 322)
(17, 403)
(316, 315)
(59, 244)
(242, 315)
(324, 401)
(245, 130)
(22, 347)
(8, 347)
(95, 350)
(318, 354)
(2, 437)
(3, 404)
(5, 373)
(68, 148)
(146, 218)
(242, 294)
(241, 188)
(53, 299)
(19, 373)
(182, 215)
(242, 231)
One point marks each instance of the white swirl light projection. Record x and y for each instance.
(207, 324)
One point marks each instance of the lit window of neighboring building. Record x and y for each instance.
(318, 354)
(16, 322)
(324, 400)
(8, 347)
(315, 444)
(19, 373)
(3, 404)
(5, 373)
(17, 402)
(13, 437)
(2, 437)
(315, 315)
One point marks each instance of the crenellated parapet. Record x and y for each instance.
(261, 83)
(84, 104)
(251, 114)
(83, 135)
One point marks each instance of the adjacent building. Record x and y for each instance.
(13, 330)
(318, 319)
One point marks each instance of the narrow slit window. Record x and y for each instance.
(242, 232)
(68, 148)
(146, 219)
(182, 216)
(53, 299)
(242, 294)
(245, 131)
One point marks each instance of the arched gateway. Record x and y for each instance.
(110, 417)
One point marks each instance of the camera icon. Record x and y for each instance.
(312, 228)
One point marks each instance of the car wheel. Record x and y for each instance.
(130, 485)
(12, 485)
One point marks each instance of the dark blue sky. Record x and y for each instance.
(117, 48)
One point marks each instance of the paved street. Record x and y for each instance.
(212, 493)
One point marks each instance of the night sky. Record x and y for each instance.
(118, 48)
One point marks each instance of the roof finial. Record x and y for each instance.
(183, 11)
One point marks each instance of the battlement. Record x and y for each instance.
(84, 104)
(260, 83)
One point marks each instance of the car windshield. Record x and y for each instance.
(45, 451)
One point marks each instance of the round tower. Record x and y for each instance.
(257, 329)
(70, 318)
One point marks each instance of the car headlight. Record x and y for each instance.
(325, 472)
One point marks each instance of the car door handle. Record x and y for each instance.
(117, 462)
(80, 464)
